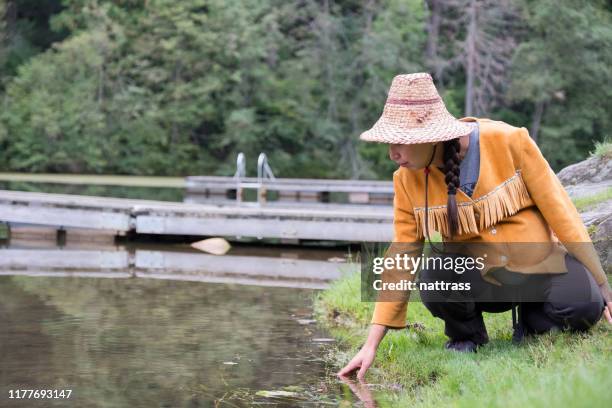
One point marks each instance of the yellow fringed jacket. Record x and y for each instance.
(517, 198)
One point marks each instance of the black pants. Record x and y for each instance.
(567, 301)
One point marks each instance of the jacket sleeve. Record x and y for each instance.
(388, 311)
(556, 206)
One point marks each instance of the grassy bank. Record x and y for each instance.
(555, 369)
(583, 203)
(603, 149)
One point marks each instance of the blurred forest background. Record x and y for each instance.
(163, 87)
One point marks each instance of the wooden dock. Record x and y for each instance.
(293, 189)
(202, 188)
(316, 221)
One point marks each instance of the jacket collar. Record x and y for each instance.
(499, 192)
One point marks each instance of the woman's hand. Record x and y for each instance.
(362, 361)
(365, 357)
(607, 295)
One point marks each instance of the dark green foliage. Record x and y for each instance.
(162, 87)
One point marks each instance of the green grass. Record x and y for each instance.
(603, 149)
(4, 231)
(551, 370)
(583, 203)
(96, 179)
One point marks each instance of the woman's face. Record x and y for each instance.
(413, 156)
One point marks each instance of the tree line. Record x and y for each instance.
(160, 87)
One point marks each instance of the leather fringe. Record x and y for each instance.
(504, 200)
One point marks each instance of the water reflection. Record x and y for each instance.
(285, 268)
(156, 342)
(361, 390)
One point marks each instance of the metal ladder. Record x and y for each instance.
(264, 172)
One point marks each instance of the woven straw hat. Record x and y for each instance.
(415, 113)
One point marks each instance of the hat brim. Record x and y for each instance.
(384, 132)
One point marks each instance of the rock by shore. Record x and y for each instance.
(591, 180)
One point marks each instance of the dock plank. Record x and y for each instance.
(344, 222)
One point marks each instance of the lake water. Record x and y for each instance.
(119, 337)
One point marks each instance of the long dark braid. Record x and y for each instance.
(451, 169)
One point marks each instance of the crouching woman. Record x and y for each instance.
(479, 181)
